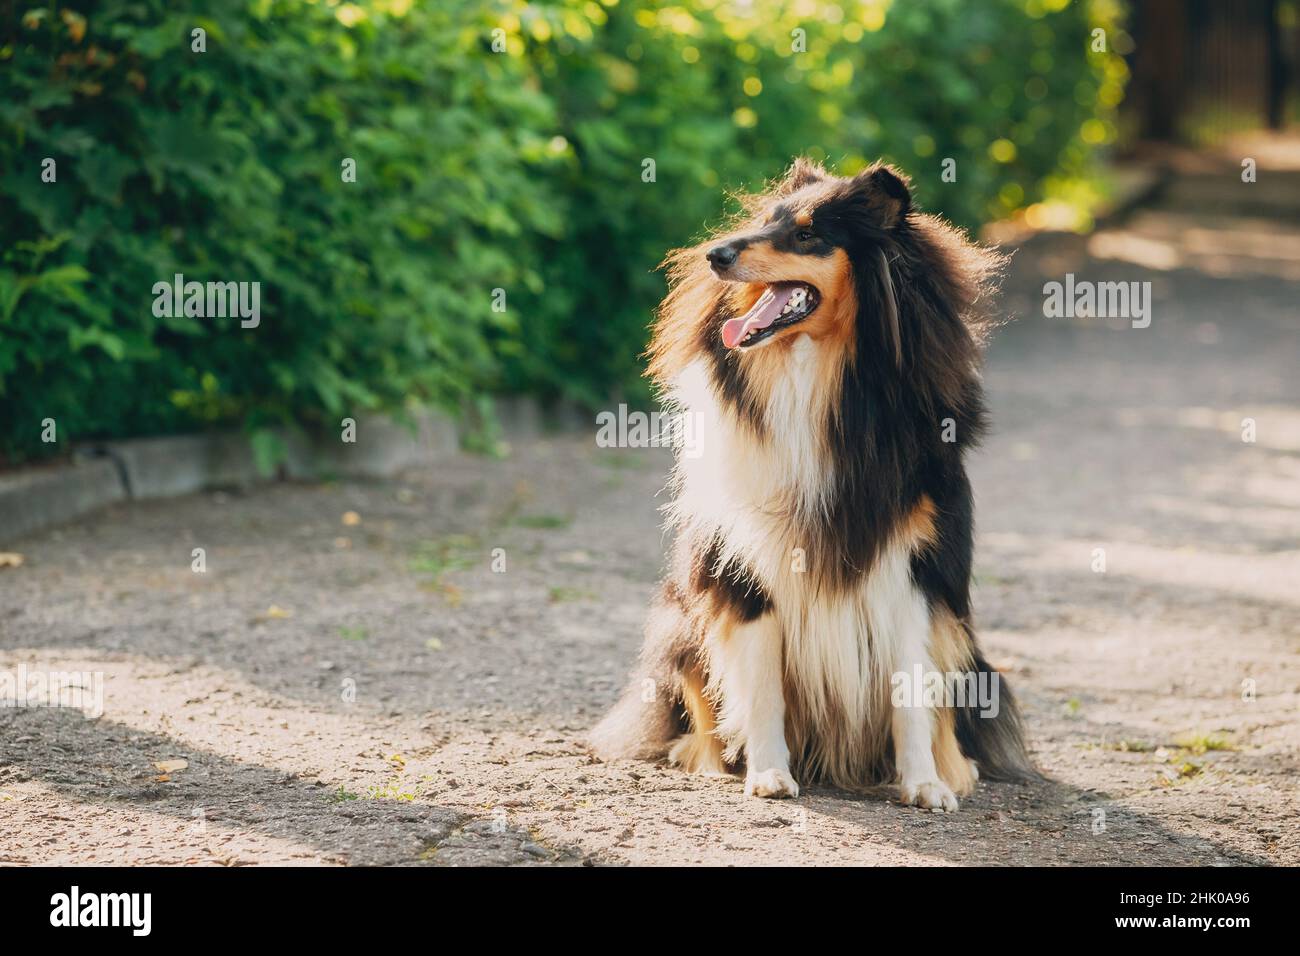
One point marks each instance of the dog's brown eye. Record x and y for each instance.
(804, 235)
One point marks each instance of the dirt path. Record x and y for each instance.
(374, 692)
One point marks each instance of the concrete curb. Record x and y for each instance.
(39, 498)
(381, 449)
(180, 464)
(45, 496)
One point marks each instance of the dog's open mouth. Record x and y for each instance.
(781, 305)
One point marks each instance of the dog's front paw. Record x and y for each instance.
(774, 783)
(930, 794)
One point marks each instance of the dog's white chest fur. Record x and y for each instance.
(838, 647)
(750, 488)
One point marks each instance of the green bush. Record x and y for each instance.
(476, 170)
(1007, 88)
(227, 165)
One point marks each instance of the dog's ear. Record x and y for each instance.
(801, 173)
(885, 193)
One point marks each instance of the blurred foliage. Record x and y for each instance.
(478, 169)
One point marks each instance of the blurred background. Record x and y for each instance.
(504, 146)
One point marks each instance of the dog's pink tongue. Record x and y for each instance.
(763, 314)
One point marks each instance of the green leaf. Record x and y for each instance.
(269, 451)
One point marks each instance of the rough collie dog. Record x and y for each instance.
(827, 349)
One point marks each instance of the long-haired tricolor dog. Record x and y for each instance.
(827, 348)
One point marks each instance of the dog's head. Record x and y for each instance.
(894, 295)
(791, 261)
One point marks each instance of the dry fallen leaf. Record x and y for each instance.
(10, 559)
(171, 766)
(351, 518)
(277, 613)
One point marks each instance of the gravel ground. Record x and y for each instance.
(350, 681)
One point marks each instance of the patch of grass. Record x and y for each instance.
(455, 552)
(1181, 772)
(985, 578)
(1199, 744)
(353, 633)
(390, 791)
(393, 789)
(562, 594)
(340, 795)
(543, 522)
(1131, 746)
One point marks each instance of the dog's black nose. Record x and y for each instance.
(723, 257)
